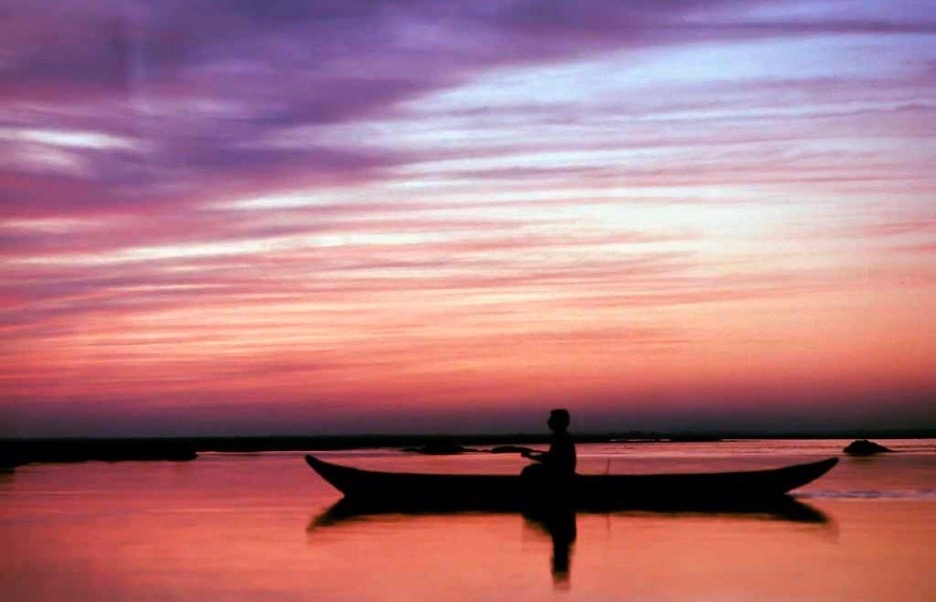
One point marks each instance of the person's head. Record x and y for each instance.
(559, 419)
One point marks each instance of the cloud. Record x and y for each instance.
(203, 91)
(353, 194)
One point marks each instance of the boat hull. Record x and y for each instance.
(585, 491)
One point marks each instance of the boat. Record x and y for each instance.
(689, 490)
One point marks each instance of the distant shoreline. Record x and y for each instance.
(16, 452)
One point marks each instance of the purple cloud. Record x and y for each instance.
(304, 181)
(199, 91)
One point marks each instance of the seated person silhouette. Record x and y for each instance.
(555, 468)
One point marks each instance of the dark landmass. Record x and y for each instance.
(657, 438)
(15, 452)
(441, 448)
(863, 447)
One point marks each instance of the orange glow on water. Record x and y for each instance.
(243, 527)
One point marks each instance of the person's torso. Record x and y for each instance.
(562, 453)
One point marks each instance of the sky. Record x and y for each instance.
(311, 216)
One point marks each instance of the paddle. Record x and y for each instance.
(514, 449)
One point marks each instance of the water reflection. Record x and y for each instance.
(785, 508)
(559, 522)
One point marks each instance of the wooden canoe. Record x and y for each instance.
(586, 490)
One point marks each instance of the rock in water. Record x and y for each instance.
(863, 447)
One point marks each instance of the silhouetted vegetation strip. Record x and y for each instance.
(15, 453)
(418, 443)
(441, 448)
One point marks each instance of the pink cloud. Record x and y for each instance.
(449, 233)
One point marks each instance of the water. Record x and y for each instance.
(249, 527)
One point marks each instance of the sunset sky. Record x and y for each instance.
(304, 216)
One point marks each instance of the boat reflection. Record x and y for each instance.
(559, 522)
(784, 508)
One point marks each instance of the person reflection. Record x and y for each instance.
(561, 527)
(559, 523)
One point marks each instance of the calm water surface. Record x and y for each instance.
(254, 527)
